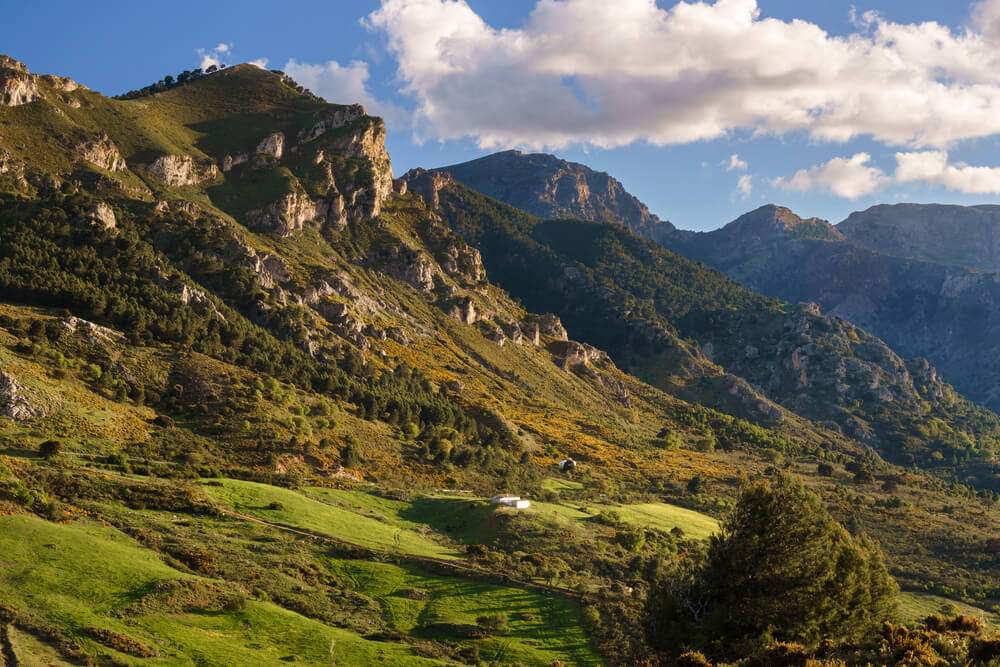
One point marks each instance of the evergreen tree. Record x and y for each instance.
(781, 569)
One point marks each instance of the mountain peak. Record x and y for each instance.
(6, 62)
(550, 187)
(773, 222)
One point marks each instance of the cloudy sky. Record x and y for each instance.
(703, 110)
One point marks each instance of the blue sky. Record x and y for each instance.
(702, 110)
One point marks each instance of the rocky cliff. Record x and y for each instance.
(548, 187)
(963, 236)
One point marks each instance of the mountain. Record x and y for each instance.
(256, 395)
(959, 236)
(642, 304)
(945, 313)
(920, 277)
(548, 187)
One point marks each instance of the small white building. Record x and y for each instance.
(510, 501)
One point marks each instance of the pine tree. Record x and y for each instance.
(781, 569)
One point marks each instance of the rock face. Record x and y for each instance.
(17, 85)
(548, 187)
(427, 184)
(288, 214)
(102, 152)
(272, 145)
(332, 120)
(178, 170)
(100, 215)
(14, 402)
(946, 314)
(368, 144)
(967, 236)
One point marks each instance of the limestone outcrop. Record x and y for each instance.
(178, 170)
(102, 152)
(17, 85)
(15, 402)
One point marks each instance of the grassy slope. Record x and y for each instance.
(76, 576)
(542, 628)
(294, 509)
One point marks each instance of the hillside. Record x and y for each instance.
(922, 308)
(918, 276)
(548, 187)
(641, 303)
(256, 394)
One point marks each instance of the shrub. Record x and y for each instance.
(50, 449)
(693, 659)
(495, 624)
(824, 470)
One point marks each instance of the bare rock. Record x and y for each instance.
(427, 184)
(289, 214)
(102, 152)
(332, 120)
(17, 85)
(272, 145)
(178, 170)
(100, 215)
(231, 161)
(14, 401)
(548, 325)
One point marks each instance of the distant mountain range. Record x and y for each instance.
(922, 277)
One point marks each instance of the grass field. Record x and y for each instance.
(78, 576)
(541, 628)
(665, 517)
(914, 607)
(361, 525)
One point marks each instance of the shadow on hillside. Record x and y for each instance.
(462, 519)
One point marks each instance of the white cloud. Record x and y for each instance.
(932, 168)
(610, 73)
(854, 177)
(745, 185)
(345, 84)
(735, 163)
(214, 55)
(845, 177)
(260, 62)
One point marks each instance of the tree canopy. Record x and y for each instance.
(780, 569)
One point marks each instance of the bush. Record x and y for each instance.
(50, 449)
(350, 455)
(495, 624)
(693, 659)
(824, 470)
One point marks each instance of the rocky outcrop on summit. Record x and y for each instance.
(427, 184)
(17, 85)
(548, 187)
(965, 236)
(178, 170)
(332, 120)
